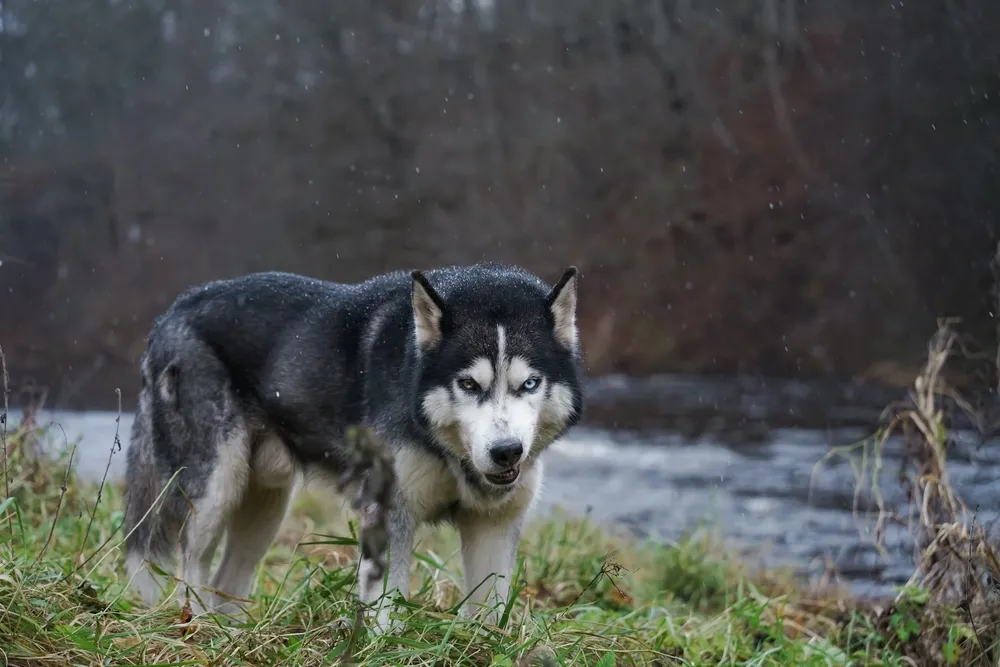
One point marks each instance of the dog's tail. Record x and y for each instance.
(147, 537)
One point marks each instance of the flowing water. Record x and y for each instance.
(662, 455)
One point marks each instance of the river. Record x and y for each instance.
(658, 456)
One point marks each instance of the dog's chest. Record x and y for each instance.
(428, 486)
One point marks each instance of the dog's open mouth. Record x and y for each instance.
(506, 477)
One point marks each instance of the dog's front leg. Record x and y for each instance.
(401, 527)
(489, 553)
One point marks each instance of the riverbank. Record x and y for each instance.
(585, 596)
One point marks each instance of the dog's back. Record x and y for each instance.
(242, 322)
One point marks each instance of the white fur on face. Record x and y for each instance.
(507, 413)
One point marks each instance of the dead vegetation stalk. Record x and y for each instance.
(3, 426)
(956, 558)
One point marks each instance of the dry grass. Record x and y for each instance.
(957, 566)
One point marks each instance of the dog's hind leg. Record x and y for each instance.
(148, 536)
(252, 526)
(224, 490)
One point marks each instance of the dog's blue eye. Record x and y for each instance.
(531, 384)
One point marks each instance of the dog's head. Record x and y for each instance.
(500, 359)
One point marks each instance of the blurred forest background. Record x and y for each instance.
(776, 187)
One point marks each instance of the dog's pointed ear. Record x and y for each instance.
(562, 304)
(428, 309)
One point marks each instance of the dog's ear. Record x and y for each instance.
(428, 309)
(562, 304)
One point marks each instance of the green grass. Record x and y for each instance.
(584, 597)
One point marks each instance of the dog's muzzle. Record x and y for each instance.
(506, 454)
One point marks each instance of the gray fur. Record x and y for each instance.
(249, 386)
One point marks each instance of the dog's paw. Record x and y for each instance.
(540, 656)
(381, 622)
(480, 613)
(343, 625)
(483, 620)
(232, 610)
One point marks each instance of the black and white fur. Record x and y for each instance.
(468, 373)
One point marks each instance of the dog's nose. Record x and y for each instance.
(506, 453)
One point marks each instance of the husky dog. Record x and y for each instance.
(467, 373)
